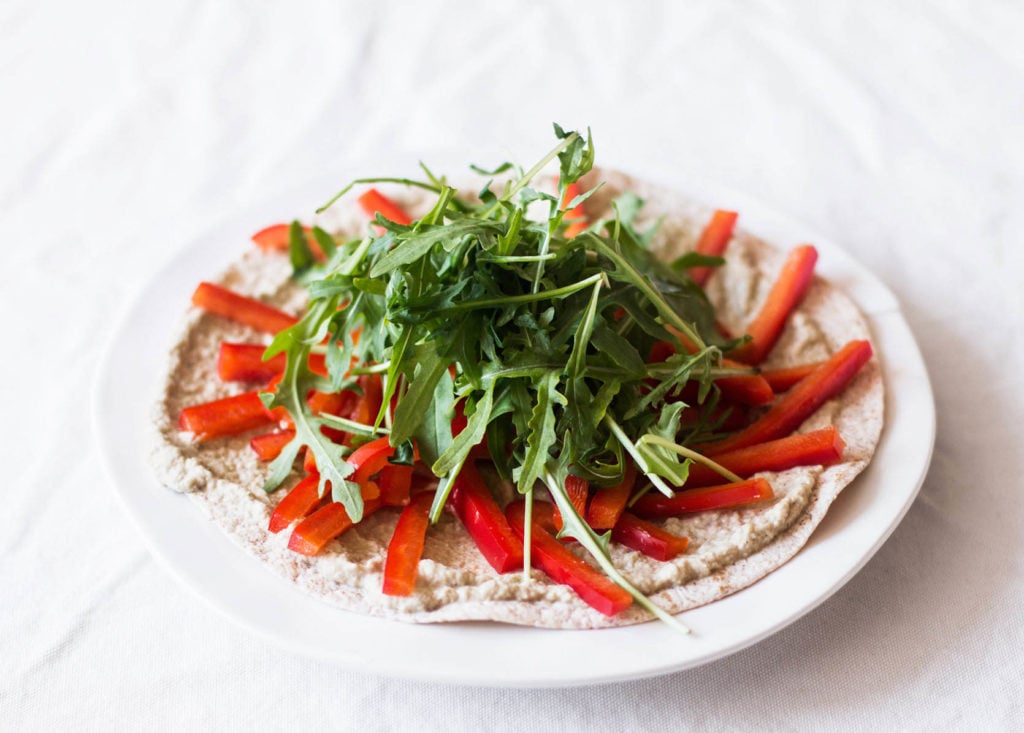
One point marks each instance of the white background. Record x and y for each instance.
(895, 128)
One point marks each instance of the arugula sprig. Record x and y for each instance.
(539, 340)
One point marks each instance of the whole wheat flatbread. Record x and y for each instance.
(728, 551)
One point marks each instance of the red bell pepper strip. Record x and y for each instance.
(786, 293)
(277, 414)
(723, 496)
(607, 505)
(227, 416)
(785, 416)
(274, 238)
(787, 377)
(269, 445)
(333, 403)
(374, 202)
(308, 460)
(578, 490)
(713, 241)
(368, 404)
(315, 531)
(648, 538)
(277, 238)
(728, 417)
(576, 218)
(395, 484)
(406, 546)
(220, 301)
(818, 448)
(485, 522)
(561, 565)
(750, 389)
(297, 503)
(244, 363)
(369, 459)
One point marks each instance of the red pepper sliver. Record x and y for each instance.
(724, 496)
(818, 448)
(607, 505)
(406, 546)
(578, 490)
(244, 363)
(220, 301)
(277, 238)
(269, 445)
(788, 377)
(786, 293)
(576, 218)
(227, 416)
(369, 459)
(297, 503)
(485, 522)
(751, 389)
(648, 538)
(562, 566)
(785, 416)
(395, 484)
(713, 241)
(323, 525)
(374, 202)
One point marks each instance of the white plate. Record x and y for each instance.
(205, 560)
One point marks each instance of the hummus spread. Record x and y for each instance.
(728, 549)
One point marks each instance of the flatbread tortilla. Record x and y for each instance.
(728, 549)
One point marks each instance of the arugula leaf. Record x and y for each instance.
(540, 340)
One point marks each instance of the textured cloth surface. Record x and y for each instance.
(895, 128)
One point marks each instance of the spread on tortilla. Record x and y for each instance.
(729, 549)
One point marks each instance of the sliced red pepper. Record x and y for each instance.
(369, 458)
(269, 445)
(785, 416)
(728, 417)
(333, 403)
(561, 565)
(576, 218)
(724, 496)
(395, 484)
(297, 503)
(648, 538)
(818, 448)
(368, 404)
(277, 238)
(329, 521)
(578, 491)
(277, 414)
(749, 389)
(607, 505)
(227, 416)
(220, 301)
(406, 546)
(786, 378)
(274, 238)
(244, 363)
(713, 242)
(485, 522)
(374, 202)
(787, 292)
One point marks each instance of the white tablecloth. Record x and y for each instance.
(896, 128)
